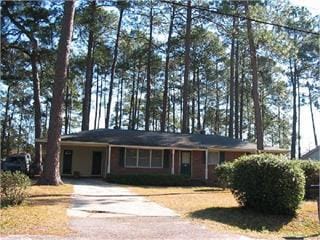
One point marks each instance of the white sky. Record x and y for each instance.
(312, 5)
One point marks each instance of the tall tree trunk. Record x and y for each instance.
(138, 108)
(205, 105)
(66, 110)
(217, 111)
(51, 169)
(299, 116)
(168, 116)
(279, 126)
(134, 117)
(255, 93)
(198, 101)
(113, 69)
(231, 83)
(8, 142)
(70, 108)
(174, 112)
(20, 129)
(97, 103)
(227, 115)
(148, 95)
(66, 105)
(36, 105)
(294, 114)
(241, 99)
(131, 107)
(193, 101)
(236, 93)
(86, 104)
(101, 98)
(312, 116)
(166, 74)
(121, 102)
(5, 121)
(187, 45)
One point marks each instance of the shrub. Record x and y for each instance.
(268, 183)
(13, 188)
(224, 174)
(311, 172)
(149, 179)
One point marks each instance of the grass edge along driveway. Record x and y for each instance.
(218, 210)
(44, 212)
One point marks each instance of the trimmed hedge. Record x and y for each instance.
(13, 188)
(311, 172)
(149, 179)
(224, 174)
(268, 183)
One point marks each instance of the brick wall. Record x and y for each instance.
(230, 156)
(198, 165)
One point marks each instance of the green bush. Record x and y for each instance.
(268, 183)
(13, 188)
(149, 179)
(311, 172)
(224, 174)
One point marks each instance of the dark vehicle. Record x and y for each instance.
(17, 162)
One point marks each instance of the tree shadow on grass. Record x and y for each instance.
(47, 201)
(211, 190)
(243, 218)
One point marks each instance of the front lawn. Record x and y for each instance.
(43, 212)
(219, 210)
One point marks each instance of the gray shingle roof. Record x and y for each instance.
(143, 138)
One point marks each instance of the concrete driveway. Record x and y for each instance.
(107, 211)
(98, 199)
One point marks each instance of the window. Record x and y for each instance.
(131, 157)
(143, 158)
(222, 157)
(156, 159)
(213, 158)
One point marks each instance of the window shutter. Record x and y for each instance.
(166, 158)
(121, 156)
(222, 157)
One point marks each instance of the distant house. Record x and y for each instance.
(313, 154)
(104, 151)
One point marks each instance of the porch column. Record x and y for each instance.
(106, 162)
(109, 159)
(172, 165)
(40, 150)
(206, 168)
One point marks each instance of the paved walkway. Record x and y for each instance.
(105, 211)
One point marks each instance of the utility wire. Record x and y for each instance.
(241, 17)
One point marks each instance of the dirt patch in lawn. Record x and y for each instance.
(43, 212)
(219, 210)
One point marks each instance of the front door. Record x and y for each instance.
(186, 163)
(96, 163)
(67, 162)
